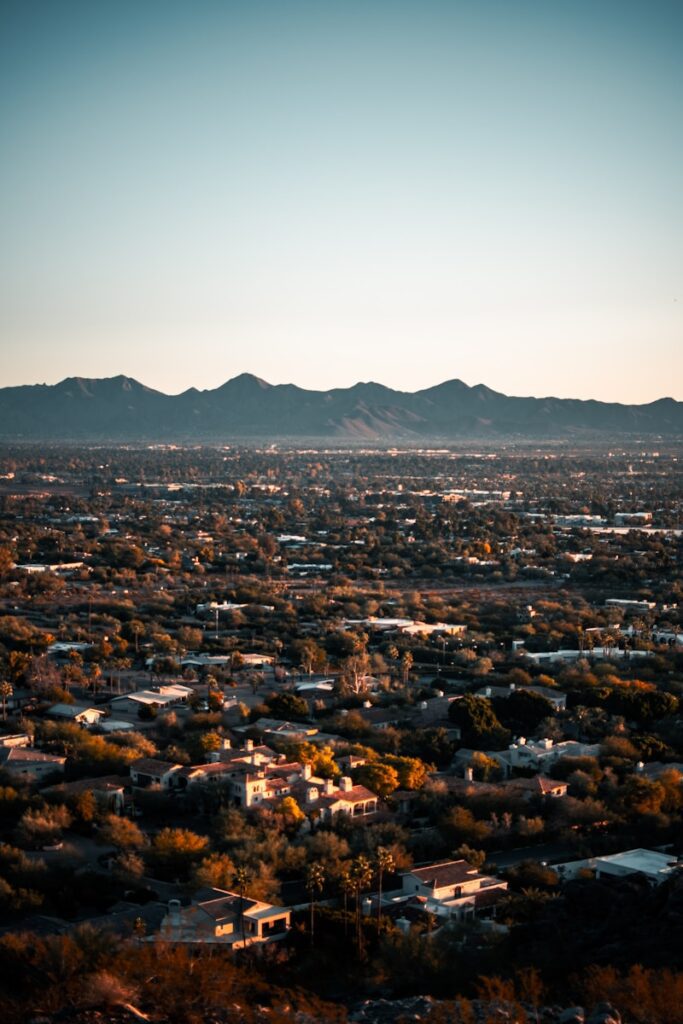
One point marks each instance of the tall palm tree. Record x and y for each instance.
(315, 880)
(384, 861)
(361, 875)
(346, 886)
(241, 881)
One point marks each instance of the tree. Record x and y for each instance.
(315, 880)
(406, 665)
(291, 813)
(128, 866)
(40, 826)
(412, 772)
(380, 778)
(354, 669)
(477, 721)
(523, 711)
(214, 872)
(384, 861)
(474, 857)
(241, 881)
(361, 876)
(122, 833)
(287, 705)
(175, 850)
(346, 884)
(6, 691)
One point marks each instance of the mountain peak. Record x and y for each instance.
(246, 380)
(122, 409)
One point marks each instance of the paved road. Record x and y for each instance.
(549, 852)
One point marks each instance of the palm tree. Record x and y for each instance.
(361, 876)
(385, 862)
(315, 880)
(6, 690)
(346, 886)
(241, 881)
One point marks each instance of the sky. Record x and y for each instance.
(327, 191)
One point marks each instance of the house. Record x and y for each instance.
(382, 717)
(15, 739)
(132, 703)
(322, 798)
(203, 774)
(108, 790)
(437, 628)
(29, 764)
(148, 771)
(353, 801)
(432, 711)
(557, 698)
(274, 728)
(320, 687)
(540, 754)
(655, 769)
(554, 697)
(539, 785)
(221, 917)
(257, 660)
(115, 725)
(631, 605)
(79, 713)
(656, 867)
(453, 888)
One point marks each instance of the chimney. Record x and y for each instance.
(469, 773)
(329, 787)
(312, 795)
(307, 771)
(213, 756)
(403, 924)
(512, 686)
(248, 744)
(345, 784)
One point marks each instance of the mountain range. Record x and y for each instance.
(122, 409)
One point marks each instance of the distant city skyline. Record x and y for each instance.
(327, 193)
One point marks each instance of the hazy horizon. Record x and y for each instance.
(322, 193)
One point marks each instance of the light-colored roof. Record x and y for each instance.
(72, 710)
(649, 862)
(147, 697)
(26, 755)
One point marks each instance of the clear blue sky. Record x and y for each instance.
(328, 191)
